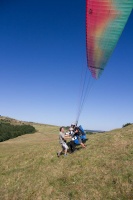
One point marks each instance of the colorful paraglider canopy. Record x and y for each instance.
(105, 21)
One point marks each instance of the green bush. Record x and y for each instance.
(127, 124)
(89, 133)
(8, 131)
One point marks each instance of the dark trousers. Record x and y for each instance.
(72, 146)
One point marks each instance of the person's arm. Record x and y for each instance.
(67, 136)
(64, 137)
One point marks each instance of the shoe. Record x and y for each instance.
(65, 155)
(58, 154)
(73, 151)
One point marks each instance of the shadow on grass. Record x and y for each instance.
(77, 146)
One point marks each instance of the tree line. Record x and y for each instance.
(8, 131)
(127, 124)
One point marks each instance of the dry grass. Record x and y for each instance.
(30, 169)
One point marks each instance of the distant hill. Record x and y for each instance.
(20, 122)
(11, 120)
(94, 131)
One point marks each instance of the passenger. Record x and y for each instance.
(62, 141)
(71, 131)
(71, 143)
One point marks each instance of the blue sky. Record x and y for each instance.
(42, 54)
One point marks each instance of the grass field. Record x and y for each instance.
(30, 169)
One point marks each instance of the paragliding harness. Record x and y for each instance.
(82, 136)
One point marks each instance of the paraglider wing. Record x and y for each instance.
(105, 21)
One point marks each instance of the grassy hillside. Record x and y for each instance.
(30, 170)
